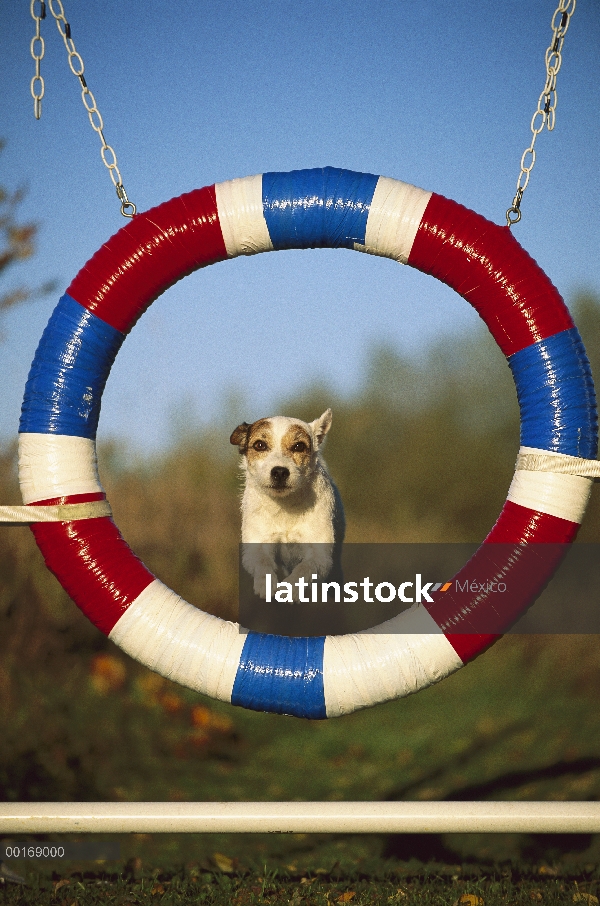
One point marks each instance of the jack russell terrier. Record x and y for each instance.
(292, 515)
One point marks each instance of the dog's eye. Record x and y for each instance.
(299, 447)
(260, 446)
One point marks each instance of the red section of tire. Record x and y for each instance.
(71, 498)
(518, 524)
(486, 265)
(94, 565)
(148, 255)
(524, 548)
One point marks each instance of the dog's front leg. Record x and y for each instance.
(259, 560)
(315, 564)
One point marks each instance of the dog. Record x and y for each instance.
(292, 514)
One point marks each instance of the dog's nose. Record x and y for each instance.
(280, 474)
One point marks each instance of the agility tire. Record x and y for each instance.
(307, 677)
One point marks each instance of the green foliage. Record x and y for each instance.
(17, 243)
(420, 454)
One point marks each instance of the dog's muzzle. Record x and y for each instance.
(279, 476)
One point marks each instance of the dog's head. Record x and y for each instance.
(280, 453)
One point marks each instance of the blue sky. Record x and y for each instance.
(440, 95)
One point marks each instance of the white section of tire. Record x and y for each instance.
(243, 224)
(57, 465)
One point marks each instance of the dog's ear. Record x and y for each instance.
(321, 426)
(240, 436)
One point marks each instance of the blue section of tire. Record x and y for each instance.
(324, 208)
(281, 674)
(69, 371)
(556, 395)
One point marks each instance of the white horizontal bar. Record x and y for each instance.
(299, 817)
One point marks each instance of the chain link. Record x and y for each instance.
(109, 158)
(37, 52)
(545, 115)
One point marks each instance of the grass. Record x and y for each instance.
(408, 886)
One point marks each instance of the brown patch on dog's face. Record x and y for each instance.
(297, 444)
(260, 439)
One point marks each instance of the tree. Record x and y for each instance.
(17, 243)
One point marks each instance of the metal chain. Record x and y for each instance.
(109, 158)
(37, 52)
(545, 115)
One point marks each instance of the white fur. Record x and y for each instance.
(305, 515)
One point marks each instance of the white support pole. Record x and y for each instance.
(299, 817)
